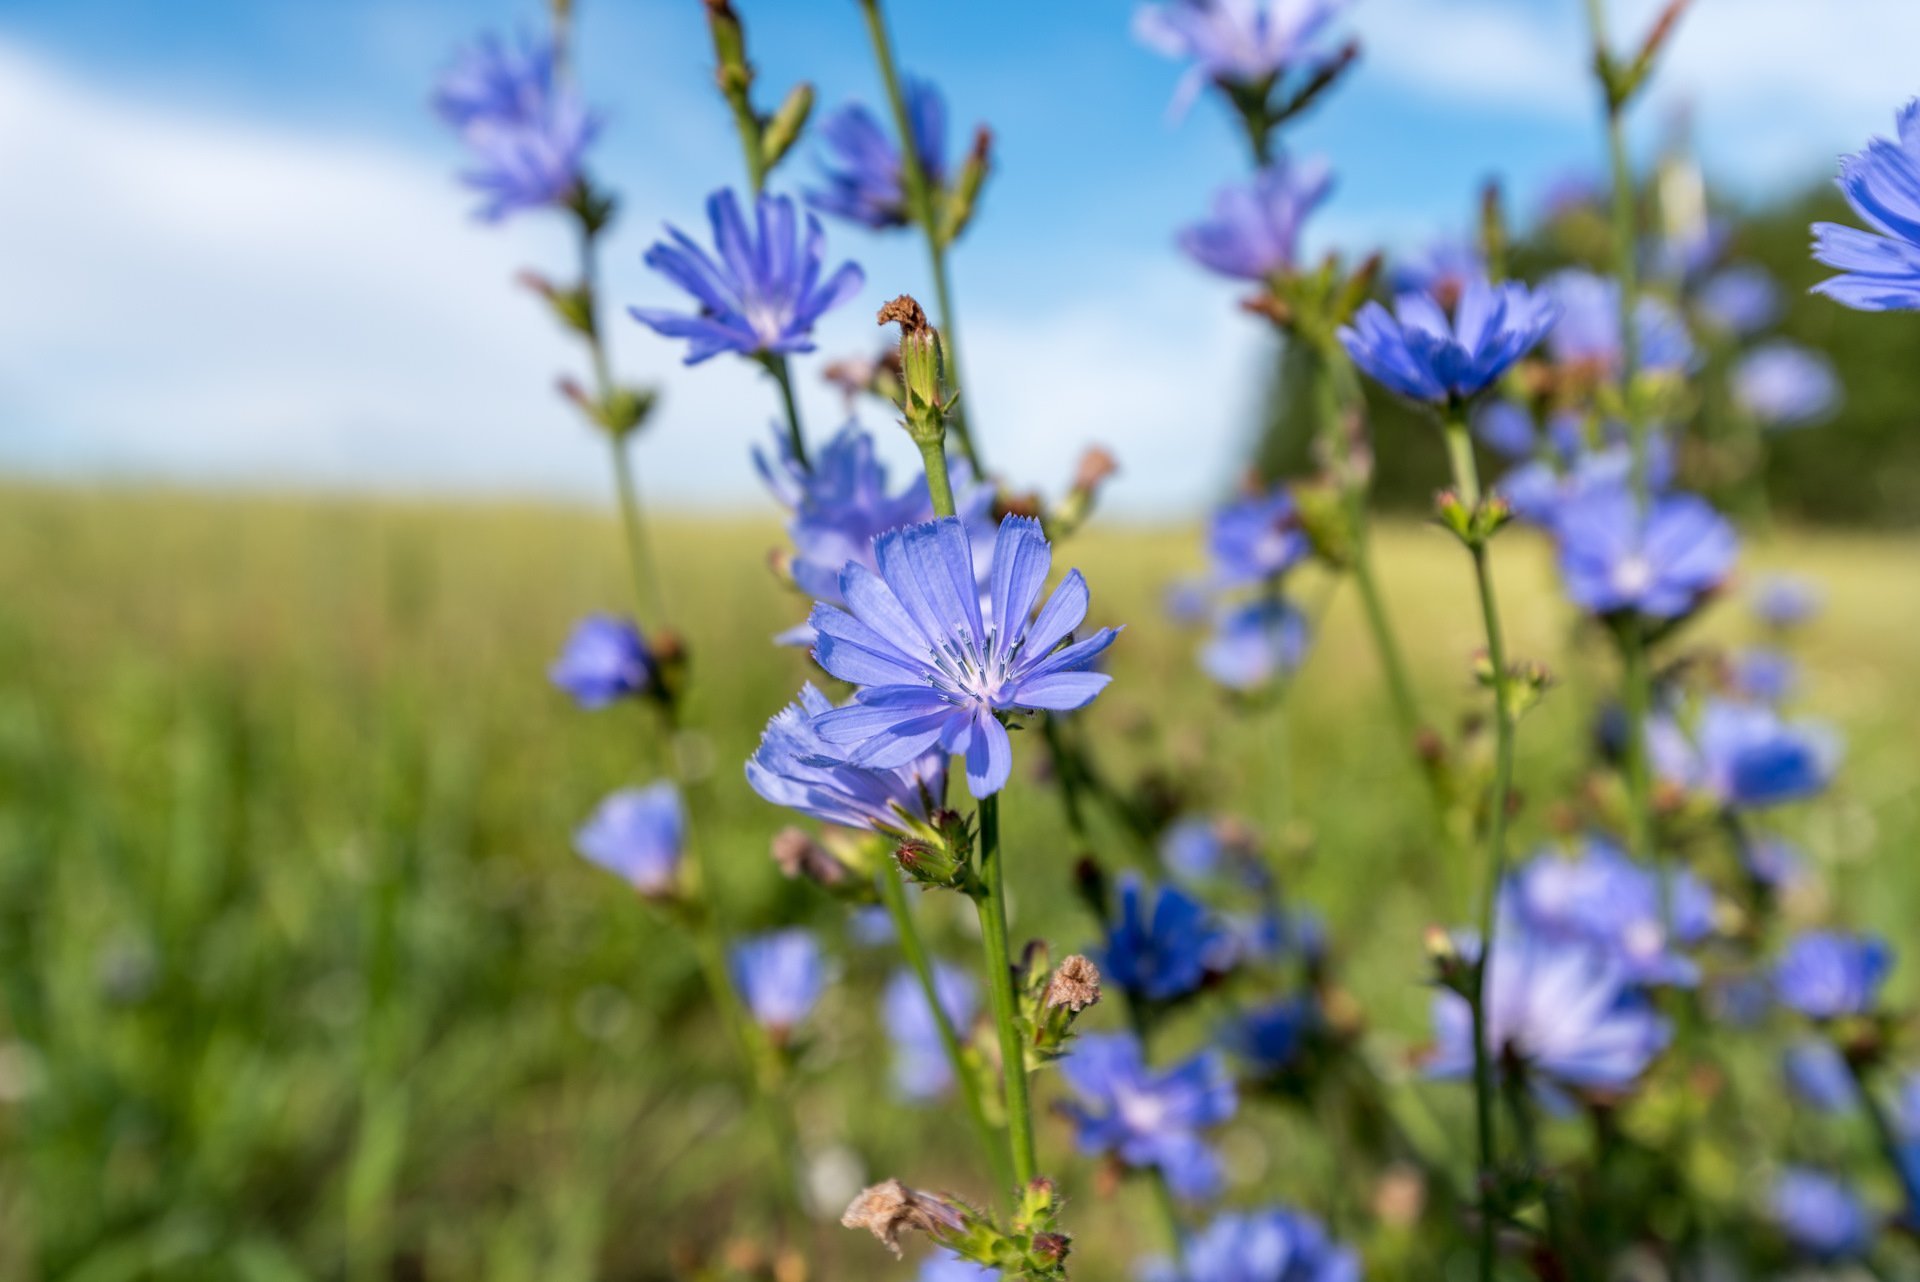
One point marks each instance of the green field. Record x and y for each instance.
(303, 981)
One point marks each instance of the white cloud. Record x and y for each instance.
(197, 296)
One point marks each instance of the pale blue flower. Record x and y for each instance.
(1821, 1214)
(796, 768)
(637, 835)
(1880, 268)
(1256, 643)
(1743, 756)
(780, 976)
(604, 660)
(1824, 974)
(1245, 43)
(1420, 352)
(1146, 1117)
(1273, 1245)
(528, 133)
(921, 1070)
(1588, 333)
(1659, 562)
(1784, 385)
(861, 162)
(1254, 233)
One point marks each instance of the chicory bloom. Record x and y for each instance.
(1271, 1038)
(1741, 300)
(1539, 491)
(1566, 1012)
(1783, 601)
(763, 293)
(1167, 953)
(1785, 385)
(1817, 1073)
(1254, 233)
(1274, 1245)
(1765, 676)
(1146, 1117)
(528, 133)
(944, 1266)
(1820, 1214)
(1443, 270)
(1255, 643)
(920, 1067)
(637, 834)
(780, 976)
(1880, 268)
(796, 768)
(1421, 353)
(1603, 898)
(1659, 562)
(1691, 252)
(603, 660)
(1256, 538)
(1743, 755)
(1507, 429)
(1244, 43)
(862, 164)
(1588, 335)
(914, 637)
(1827, 975)
(1202, 848)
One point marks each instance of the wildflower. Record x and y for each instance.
(1742, 755)
(1827, 975)
(1243, 43)
(1255, 643)
(915, 639)
(1773, 862)
(1505, 428)
(527, 132)
(1820, 1214)
(945, 1266)
(603, 660)
(780, 975)
(763, 295)
(1442, 270)
(1273, 1245)
(1741, 300)
(1817, 1073)
(1256, 538)
(1539, 491)
(1148, 1118)
(1689, 253)
(1588, 335)
(1785, 385)
(1659, 562)
(862, 165)
(1271, 1038)
(1763, 675)
(636, 834)
(1880, 268)
(1783, 601)
(1417, 351)
(795, 767)
(1561, 1011)
(1168, 954)
(1254, 233)
(1200, 848)
(920, 1067)
(1603, 898)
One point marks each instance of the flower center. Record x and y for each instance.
(1633, 576)
(1143, 1111)
(970, 672)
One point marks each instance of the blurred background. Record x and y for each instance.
(301, 977)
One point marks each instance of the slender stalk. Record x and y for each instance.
(646, 577)
(1169, 1213)
(920, 207)
(933, 456)
(992, 907)
(1885, 1133)
(1519, 1109)
(894, 896)
(796, 438)
(1466, 479)
(1637, 696)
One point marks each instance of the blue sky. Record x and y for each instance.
(234, 253)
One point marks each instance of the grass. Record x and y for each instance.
(302, 980)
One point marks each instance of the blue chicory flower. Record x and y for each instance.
(1200, 848)
(1741, 300)
(1688, 254)
(1603, 898)
(1817, 1073)
(1785, 385)
(1821, 1214)
(1185, 601)
(1256, 643)
(795, 767)
(1763, 675)
(1773, 861)
(1880, 268)
(528, 132)
(1256, 538)
(1660, 561)
(1421, 353)
(1743, 756)
(944, 1266)
(1588, 334)
(637, 834)
(1166, 953)
(780, 976)
(1272, 1245)
(1541, 490)
(1146, 1117)
(862, 164)
(1245, 43)
(920, 1067)
(1783, 601)
(604, 660)
(1506, 429)
(763, 293)
(1824, 974)
(1271, 1037)
(1567, 1013)
(931, 670)
(1442, 270)
(1254, 233)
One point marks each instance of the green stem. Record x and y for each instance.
(640, 563)
(1626, 265)
(933, 456)
(894, 895)
(1169, 1212)
(796, 439)
(1637, 691)
(1466, 479)
(920, 207)
(1557, 1236)
(1885, 1134)
(992, 907)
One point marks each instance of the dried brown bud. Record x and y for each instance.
(1075, 985)
(1097, 463)
(668, 647)
(885, 1210)
(570, 388)
(1018, 505)
(534, 281)
(906, 312)
(800, 856)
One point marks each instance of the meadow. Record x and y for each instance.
(302, 979)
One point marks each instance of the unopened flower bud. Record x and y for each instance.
(964, 194)
(783, 128)
(1051, 1248)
